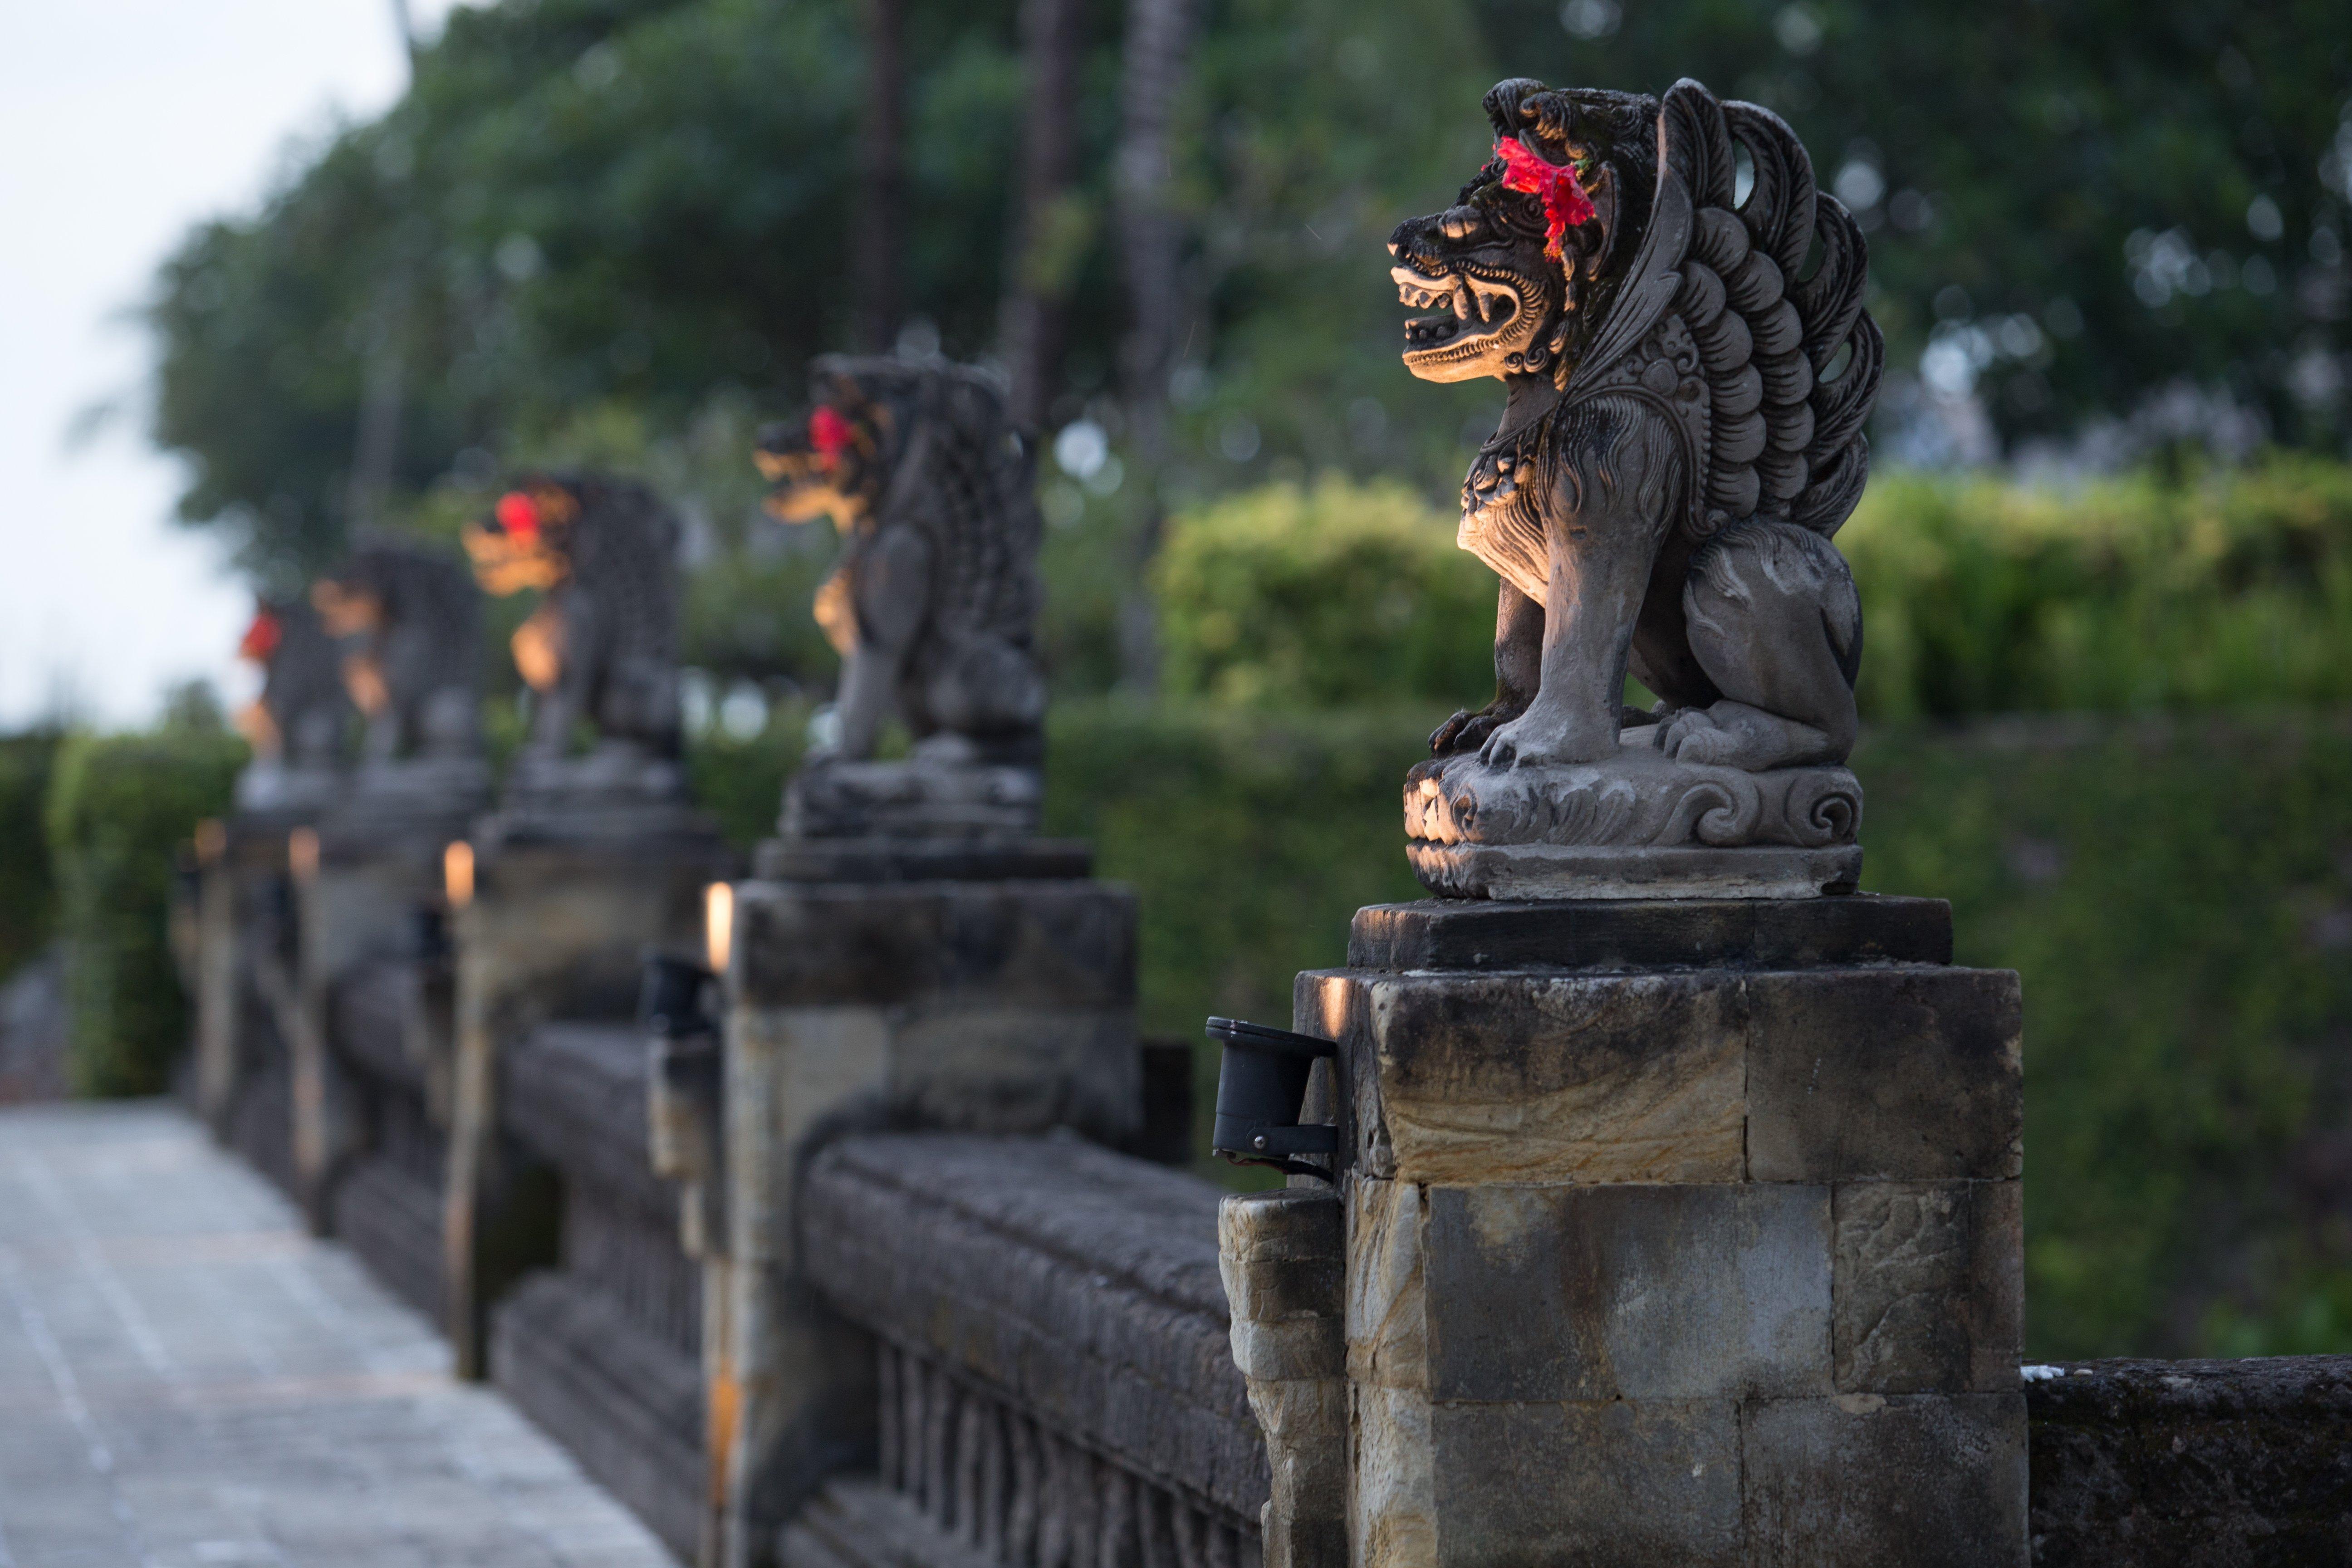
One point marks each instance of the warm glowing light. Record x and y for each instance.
(718, 924)
(458, 874)
(212, 839)
(303, 853)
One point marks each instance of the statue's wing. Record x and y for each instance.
(1783, 442)
(1650, 283)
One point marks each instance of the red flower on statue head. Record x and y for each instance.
(1565, 203)
(262, 637)
(519, 515)
(829, 433)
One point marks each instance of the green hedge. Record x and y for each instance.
(28, 885)
(2232, 590)
(119, 807)
(1339, 595)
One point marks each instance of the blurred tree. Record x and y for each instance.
(651, 205)
(2071, 202)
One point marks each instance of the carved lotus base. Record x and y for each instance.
(1638, 825)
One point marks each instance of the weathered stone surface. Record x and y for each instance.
(1637, 797)
(1458, 1078)
(1730, 934)
(627, 1405)
(1571, 1293)
(1283, 1257)
(869, 860)
(1070, 944)
(1900, 1074)
(2149, 1464)
(1930, 1286)
(1514, 872)
(1863, 1480)
(1610, 1483)
(1082, 1284)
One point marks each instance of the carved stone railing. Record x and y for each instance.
(601, 1344)
(2145, 1464)
(1054, 1382)
(387, 1023)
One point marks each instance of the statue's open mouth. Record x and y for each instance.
(1471, 311)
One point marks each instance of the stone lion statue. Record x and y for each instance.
(1688, 373)
(297, 725)
(409, 621)
(934, 606)
(603, 644)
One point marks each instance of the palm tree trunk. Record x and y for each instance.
(1045, 251)
(880, 233)
(1152, 240)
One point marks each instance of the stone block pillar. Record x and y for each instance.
(1003, 1004)
(1677, 1233)
(355, 901)
(554, 930)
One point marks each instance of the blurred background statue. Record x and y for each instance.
(934, 606)
(599, 654)
(408, 620)
(297, 726)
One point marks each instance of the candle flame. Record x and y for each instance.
(718, 924)
(458, 874)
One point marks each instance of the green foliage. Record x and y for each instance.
(2177, 897)
(740, 782)
(119, 807)
(2232, 590)
(1344, 593)
(2031, 153)
(27, 883)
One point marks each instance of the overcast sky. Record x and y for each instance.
(122, 123)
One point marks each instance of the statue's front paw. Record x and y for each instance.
(1692, 735)
(1518, 743)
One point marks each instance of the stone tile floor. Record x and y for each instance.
(187, 1379)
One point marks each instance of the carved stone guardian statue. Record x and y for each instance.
(932, 607)
(600, 650)
(1688, 377)
(409, 622)
(297, 725)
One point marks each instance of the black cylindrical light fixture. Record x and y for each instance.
(1261, 1089)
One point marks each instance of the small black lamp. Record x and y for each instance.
(1261, 1089)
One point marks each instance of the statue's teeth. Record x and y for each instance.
(1460, 301)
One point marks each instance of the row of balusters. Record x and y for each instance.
(1021, 1493)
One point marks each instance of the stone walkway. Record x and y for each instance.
(187, 1379)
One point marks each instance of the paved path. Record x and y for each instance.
(187, 1379)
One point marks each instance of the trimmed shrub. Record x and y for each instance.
(119, 805)
(27, 887)
(2232, 590)
(1337, 594)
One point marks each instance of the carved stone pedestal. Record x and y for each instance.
(553, 930)
(1638, 825)
(1677, 1233)
(1003, 1005)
